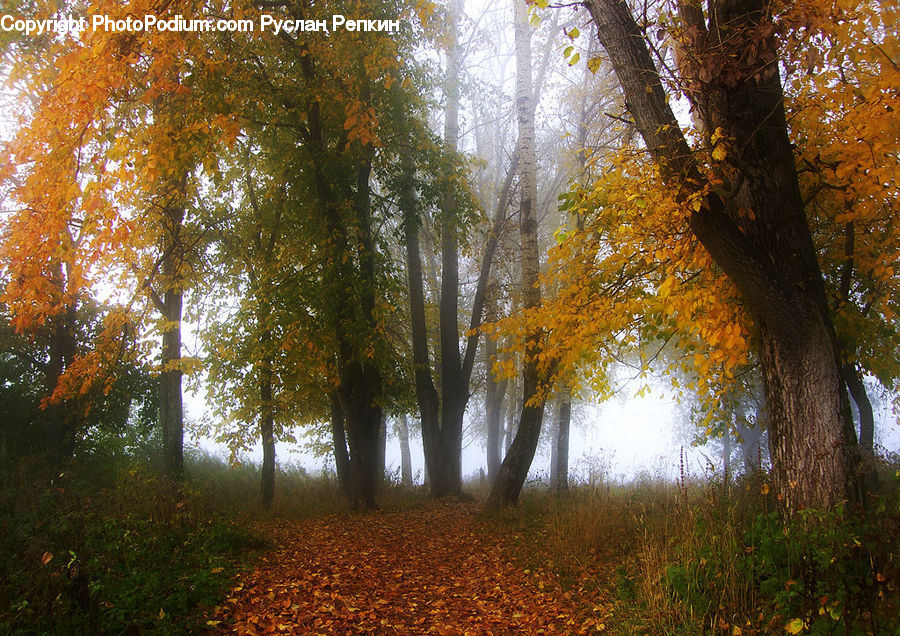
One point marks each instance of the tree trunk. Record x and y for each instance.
(561, 476)
(405, 458)
(447, 478)
(494, 393)
(361, 384)
(267, 434)
(382, 449)
(514, 469)
(170, 396)
(866, 415)
(726, 456)
(770, 258)
(426, 394)
(339, 438)
(513, 406)
(751, 441)
(553, 434)
(59, 416)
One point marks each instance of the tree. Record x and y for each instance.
(86, 180)
(767, 253)
(514, 469)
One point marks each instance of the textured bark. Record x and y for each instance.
(514, 469)
(770, 259)
(170, 396)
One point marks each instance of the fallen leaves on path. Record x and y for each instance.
(429, 570)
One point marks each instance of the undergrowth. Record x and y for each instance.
(703, 557)
(113, 547)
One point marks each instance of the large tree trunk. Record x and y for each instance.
(361, 383)
(170, 397)
(770, 258)
(514, 469)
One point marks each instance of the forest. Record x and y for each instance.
(447, 224)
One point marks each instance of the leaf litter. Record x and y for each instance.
(428, 570)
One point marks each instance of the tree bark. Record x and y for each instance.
(494, 394)
(514, 469)
(771, 258)
(267, 434)
(382, 449)
(59, 418)
(564, 419)
(751, 441)
(405, 458)
(339, 439)
(171, 407)
(447, 478)
(866, 415)
(426, 394)
(361, 384)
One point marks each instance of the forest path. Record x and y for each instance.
(428, 570)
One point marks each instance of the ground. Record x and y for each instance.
(429, 570)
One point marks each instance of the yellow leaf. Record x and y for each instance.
(719, 153)
(795, 626)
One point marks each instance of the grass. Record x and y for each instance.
(700, 557)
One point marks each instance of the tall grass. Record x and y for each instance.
(702, 556)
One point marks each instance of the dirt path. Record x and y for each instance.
(423, 571)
